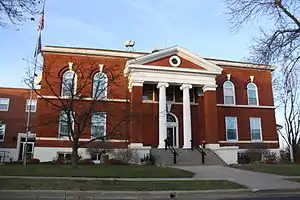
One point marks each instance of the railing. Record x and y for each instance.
(203, 154)
(171, 148)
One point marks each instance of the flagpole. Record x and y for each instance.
(31, 92)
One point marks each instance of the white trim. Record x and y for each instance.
(228, 63)
(8, 100)
(177, 59)
(249, 141)
(130, 67)
(59, 127)
(102, 114)
(176, 125)
(256, 93)
(105, 85)
(99, 52)
(74, 84)
(177, 50)
(33, 101)
(236, 127)
(260, 129)
(245, 106)
(176, 103)
(209, 88)
(85, 99)
(126, 54)
(4, 127)
(233, 90)
(81, 139)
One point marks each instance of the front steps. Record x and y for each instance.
(186, 157)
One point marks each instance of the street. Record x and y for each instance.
(287, 197)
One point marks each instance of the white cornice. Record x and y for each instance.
(97, 52)
(134, 55)
(168, 69)
(176, 50)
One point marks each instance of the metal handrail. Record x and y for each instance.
(171, 148)
(203, 154)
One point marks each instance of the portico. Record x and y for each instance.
(148, 69)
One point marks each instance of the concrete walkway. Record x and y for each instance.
(253, 180)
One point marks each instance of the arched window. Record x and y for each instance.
(68, 85)
(171, 118)
(100, 86)
(229, 93)
(252, 94)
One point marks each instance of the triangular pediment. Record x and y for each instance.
(167, 58)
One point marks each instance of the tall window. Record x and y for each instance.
(229, 94)
(4, 104)
(31, 105)
(64, 127)
(231, 128)
(2, 132)
(255, 129)
(98, 127)
(252, 94)
(69, 81)
(100, 86)
(148, 92)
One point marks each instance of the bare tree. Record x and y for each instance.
(289, 95)
(74, 97)
(17, 11)
(278, 45)
(279, 41)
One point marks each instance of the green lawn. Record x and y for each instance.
(35, 184)
(280, 169)
(294, 179)
(103, 171)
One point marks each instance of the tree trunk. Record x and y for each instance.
(74, 157)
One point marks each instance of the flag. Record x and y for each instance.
(38, 48)
(41, 22)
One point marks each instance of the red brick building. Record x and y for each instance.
(170, 93)
(14, 106)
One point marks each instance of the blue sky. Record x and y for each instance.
(199, 26)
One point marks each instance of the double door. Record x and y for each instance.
(172, 136)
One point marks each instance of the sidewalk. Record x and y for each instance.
(250, 179)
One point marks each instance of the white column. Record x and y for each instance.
(187, 129)
(162, 113)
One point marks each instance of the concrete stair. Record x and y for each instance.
(186, 157)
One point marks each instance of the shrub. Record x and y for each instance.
(85, 161)
(33, 161)
(116, 162)
(148, 159)
(243, 158)
(126, 156)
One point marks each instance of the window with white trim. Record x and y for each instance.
(2, 132)
(98, 125)
(231, 128)
(4, 104)
(100, 81)
(252, 94)
(255, 129)
(69, 84)
(229, 92)
(64, 129)
(31, 106)
(64, 156)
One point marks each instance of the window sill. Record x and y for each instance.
(245, 106)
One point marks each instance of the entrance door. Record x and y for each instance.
(171, 135)
(30, 148)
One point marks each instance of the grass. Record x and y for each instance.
(101, 171)
(90, 185)
(280, 169)
(294, 179)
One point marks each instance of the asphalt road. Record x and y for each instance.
(193, 198)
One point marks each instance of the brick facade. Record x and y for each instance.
(140, 118)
